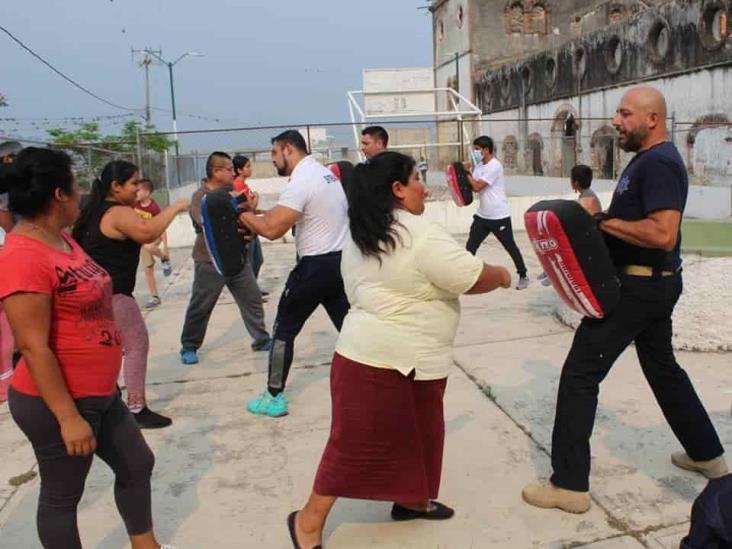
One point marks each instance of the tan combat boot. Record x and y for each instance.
(714, 468)
(548, 496)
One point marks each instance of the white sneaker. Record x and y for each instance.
(523, 283)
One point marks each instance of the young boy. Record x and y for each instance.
(580, 181)
(147, 208)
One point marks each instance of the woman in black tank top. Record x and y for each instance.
(112, 233)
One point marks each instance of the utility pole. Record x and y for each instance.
(145, 62)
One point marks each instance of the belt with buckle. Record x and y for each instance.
(644, 270)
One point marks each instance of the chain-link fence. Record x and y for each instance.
(532, 146)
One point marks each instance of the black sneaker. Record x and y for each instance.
(147, 419)
(436, 511)
(262, 344)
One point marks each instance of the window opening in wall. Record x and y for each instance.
(526, 78)
(615, 13)
(487, 96)
(551, 72)
(714, 25)
(441, 30)
(719, 25)
(506, 86)
(539, 19)
(659, 41)
(535, 160)
(614, 55)
(515, 18)
(460, 16)
(580, 62)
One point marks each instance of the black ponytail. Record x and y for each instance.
(115, 171)
(372, 202)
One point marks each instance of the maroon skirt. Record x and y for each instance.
(387, 435)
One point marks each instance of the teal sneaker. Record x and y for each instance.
(268, 405)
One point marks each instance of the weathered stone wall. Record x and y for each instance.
(676, 37)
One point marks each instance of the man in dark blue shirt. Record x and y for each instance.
(642, 230)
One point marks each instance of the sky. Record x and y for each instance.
(264, 62)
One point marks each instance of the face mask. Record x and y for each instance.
(476, 157)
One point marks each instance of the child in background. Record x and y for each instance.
(147, 208)
(580, 180)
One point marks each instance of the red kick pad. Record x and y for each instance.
(457, 181)
(573, 253)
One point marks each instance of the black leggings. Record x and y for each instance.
(481, 228)
(119, 443)
(315, 280)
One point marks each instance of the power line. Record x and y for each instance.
(62, 75)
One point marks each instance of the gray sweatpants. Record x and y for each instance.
(207, 286)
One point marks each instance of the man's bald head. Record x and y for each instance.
(641, 119)
(648, 99)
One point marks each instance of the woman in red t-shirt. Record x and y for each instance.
(243, 171)
(63, 394)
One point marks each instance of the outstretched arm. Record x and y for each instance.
(273, 224)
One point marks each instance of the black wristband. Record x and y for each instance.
(601, 216)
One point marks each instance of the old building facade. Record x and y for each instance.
(548, 76)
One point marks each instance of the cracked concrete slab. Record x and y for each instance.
(226, 479)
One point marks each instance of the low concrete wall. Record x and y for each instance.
(703, 203)
(709, 202)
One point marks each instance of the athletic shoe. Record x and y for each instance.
(154, 302)
(167, 268)
(542, 276)
(548, 496)
(147, 419)
(268, 405)
(546, 282)
(262, 344)
(714, 468)
(523, 283)
(188, 356)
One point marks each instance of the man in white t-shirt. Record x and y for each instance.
(315, 205)
(494, 215)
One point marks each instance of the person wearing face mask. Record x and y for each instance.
(642, 230)
(112, 234)
(403, 276)
(493, 215)
(315, 204)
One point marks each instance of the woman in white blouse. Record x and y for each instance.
(403, 275)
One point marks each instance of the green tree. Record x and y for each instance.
(86, 132)
(91, 150)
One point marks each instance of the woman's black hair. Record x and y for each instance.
(116, 170)
(239, 161)
(34, 176)
(372, 202)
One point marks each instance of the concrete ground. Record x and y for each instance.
(226, 479)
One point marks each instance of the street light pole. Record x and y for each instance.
(457, 72)
(172, 100)
(170, 66)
